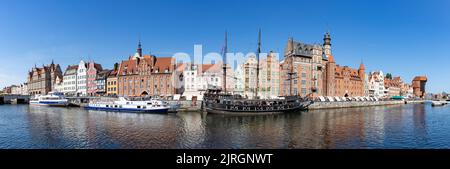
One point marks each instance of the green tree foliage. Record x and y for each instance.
(388, 76)
(116, 66)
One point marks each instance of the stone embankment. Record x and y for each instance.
(352, 104)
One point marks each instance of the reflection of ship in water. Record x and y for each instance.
(221, 102)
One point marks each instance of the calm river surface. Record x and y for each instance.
(399, 126)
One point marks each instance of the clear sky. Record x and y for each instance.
(405, 38)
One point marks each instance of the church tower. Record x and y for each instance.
(139, 49)
(361, 71)
(327, 44)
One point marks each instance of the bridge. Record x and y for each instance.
(25, 99)
(14, 99)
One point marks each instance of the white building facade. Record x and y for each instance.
(81, 79)
(239, 80)
(192, 82)
(269, 77)
(376, 84)
(20, 89)
(70, 80)
(250, 66)
(59, 85)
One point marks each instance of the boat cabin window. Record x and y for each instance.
(138, 107)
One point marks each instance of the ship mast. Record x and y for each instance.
(225, 63)
(258, 51)
(291, 67)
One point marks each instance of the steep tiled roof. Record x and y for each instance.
(420, 78)
(164, 63)
(158, 64)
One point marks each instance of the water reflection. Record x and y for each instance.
(398, 126)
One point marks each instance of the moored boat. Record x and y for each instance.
(438, 103)
(125, 105)
(228, 104)
(53, 99)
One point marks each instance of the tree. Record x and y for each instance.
(389, 76)
(116, 66)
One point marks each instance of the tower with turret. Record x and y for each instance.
(327, 44)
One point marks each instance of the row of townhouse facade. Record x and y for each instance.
(306, 70)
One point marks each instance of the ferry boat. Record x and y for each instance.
(55, 99)
(125, 105)
(217, 101)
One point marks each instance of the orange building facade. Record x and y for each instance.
(146, 76)
(310, 70)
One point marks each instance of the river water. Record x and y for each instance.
(398, 126)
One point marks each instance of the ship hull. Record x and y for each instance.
(248, 110)
(49, 103)
(130, 110)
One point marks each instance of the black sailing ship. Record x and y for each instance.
(217, 101)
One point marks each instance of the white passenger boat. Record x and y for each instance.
(438, 103)
(124, 105)
(52, 99)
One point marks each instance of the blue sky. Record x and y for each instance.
(405, 38)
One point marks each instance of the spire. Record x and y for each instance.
(139, 49)
(259, 42)
(327, 39)
(292, 45)
(361, 66)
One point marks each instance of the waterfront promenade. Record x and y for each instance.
(353, 104)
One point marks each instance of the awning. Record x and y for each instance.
(397, 97)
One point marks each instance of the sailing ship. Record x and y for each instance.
(218, 101)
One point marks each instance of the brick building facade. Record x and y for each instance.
(146, 75)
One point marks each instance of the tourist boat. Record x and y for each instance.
(438, 103)
(217, 101)
(54, 99)
(125, 105)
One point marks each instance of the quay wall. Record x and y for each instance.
(188, 106)
(337, 105)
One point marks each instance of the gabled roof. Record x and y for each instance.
(164, 63)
